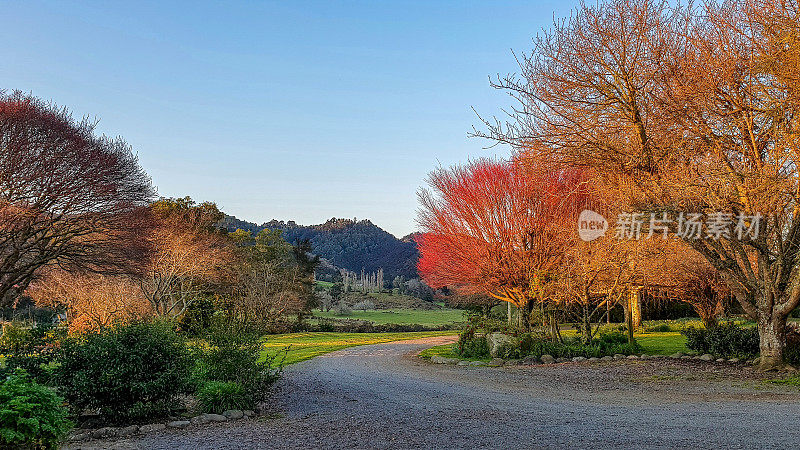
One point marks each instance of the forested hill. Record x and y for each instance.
(349, 244)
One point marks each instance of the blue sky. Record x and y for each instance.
(289, 110)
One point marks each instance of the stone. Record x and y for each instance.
(593, 359)
(686, 357)
(477, 363)
(530, 360)
(80, 436)
(249, 413)
(720, 359)
(607, 358)
(643, 356)
(619, 356)
(513, 362)
(436, 359)
(496, 362)
(548, 359)
(201, 419)
(127, 431)
(561, 360)
(578, 359)
(151, 427)
(233, 414)
(677, 355)
(633, 357)
(178, 424)
(216, 417)
(498, 341)
(103, 433)
(463, 363)
(733, 360)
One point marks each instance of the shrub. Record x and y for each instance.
(31, 415)
(662, 328)
(538, 345)
(341, 309)
(726, 340)
(470, 345)
(198, 316)
(129, 372)
(31, 349)
(234, 356)
(219, 396)
(364, 305)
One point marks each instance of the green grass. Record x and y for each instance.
(662, 343)
(433, 317)
(788, 381)
(308, 345)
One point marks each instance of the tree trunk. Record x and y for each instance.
(772, 340)
(586, 325)
(524, 316)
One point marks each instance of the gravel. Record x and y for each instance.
(383, 396)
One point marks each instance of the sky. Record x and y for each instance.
(290, 110)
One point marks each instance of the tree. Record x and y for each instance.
(190, 255)
(68, 198)
(678, 272)
(594, 278)
(306, 266)
(498, 228)
(93, 301)
(270, 283)
(684, 110)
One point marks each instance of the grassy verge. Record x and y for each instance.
(308, 345)
(652, 344)
(432, 317)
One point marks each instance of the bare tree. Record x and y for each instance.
(68, 198)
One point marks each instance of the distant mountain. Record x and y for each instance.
(346, 243)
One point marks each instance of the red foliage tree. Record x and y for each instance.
(499, 228)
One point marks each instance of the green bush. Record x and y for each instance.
(538, 345)
(234, 356)
(30, 348)
(198, 316)
(31, 415)
(129, 372)
(219, 396)
(471, 345)
(726, 340)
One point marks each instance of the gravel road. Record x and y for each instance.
(382, 396)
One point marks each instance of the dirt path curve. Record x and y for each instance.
(382, 396)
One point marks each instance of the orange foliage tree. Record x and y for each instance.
(498, 228)
(683, 109)
(190, 255)
(92, 301)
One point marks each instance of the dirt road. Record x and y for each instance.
(382, 396)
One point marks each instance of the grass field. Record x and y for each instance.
(432, 317)
(304, 346)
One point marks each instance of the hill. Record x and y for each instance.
(347, 243)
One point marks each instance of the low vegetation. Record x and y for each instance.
(31, 415)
